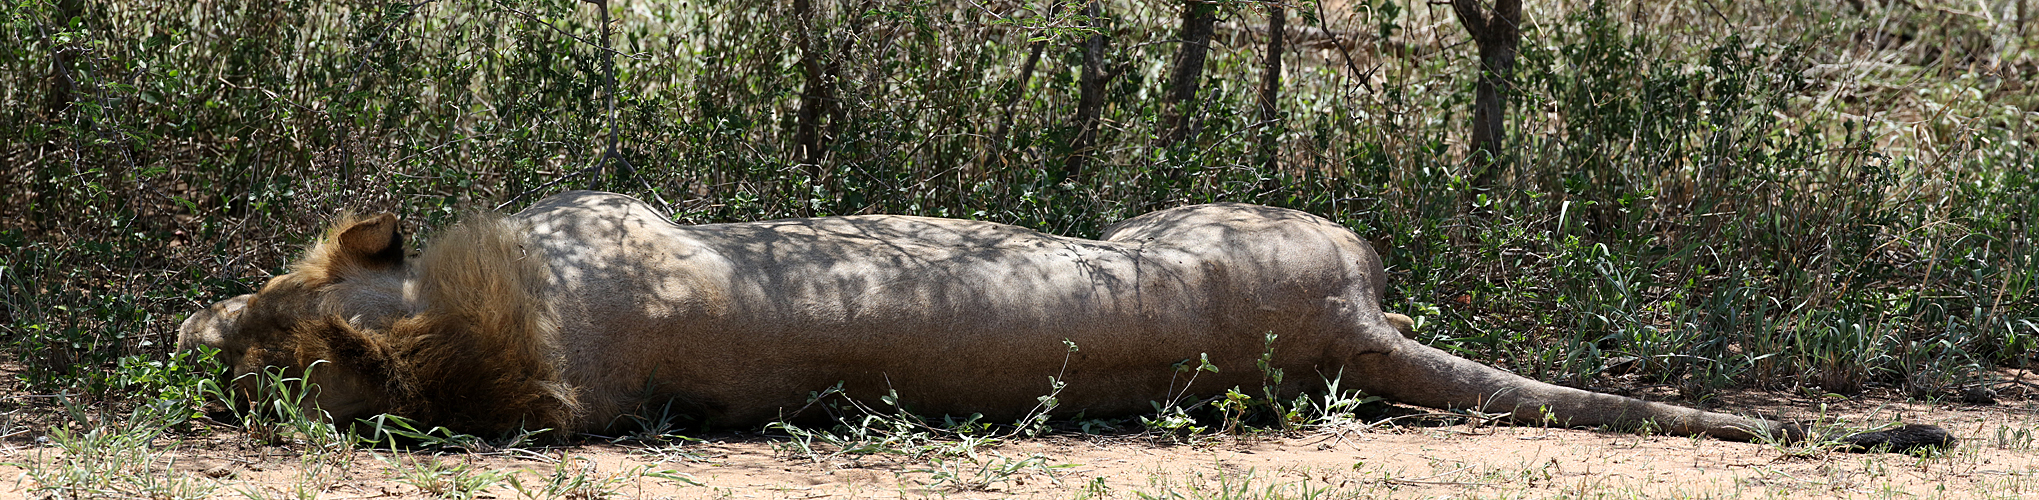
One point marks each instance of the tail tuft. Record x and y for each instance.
(1901, 440)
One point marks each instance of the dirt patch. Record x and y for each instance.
(1996, 459)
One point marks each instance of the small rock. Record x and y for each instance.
(1979, 396)
(1623, 365)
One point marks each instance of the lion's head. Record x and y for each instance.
(346, 287)
(363, 325)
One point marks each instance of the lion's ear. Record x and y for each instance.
(373, 241)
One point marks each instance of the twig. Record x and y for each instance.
(1788, 475)
(1716, 12)
(361, 61)
(39, 396)
(1365, 77)
(523, 454)
(1425, 479)
(609, 149)
(598, 46)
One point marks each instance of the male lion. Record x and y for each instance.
(588, 306)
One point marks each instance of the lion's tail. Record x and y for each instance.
(1417, 374)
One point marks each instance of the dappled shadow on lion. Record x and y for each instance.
(587, 306)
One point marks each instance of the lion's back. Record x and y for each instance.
(959, 316)
(1286, 243)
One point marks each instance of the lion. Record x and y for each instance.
(587, 307)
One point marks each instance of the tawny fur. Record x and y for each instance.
(481, 350)
(459, 336)
(328, 257)
(588, 307)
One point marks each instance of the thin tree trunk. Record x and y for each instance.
(833, 109)
(57, 101)
(2024, 16)
(1026, 75)
(1198, 18)
(1497, 33)
(815, 93)
(1090, 102)
(1270, 91)
(621, 173)
(998, 148)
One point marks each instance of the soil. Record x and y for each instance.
(1996, 459)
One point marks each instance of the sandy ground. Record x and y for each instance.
(1997, 459)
